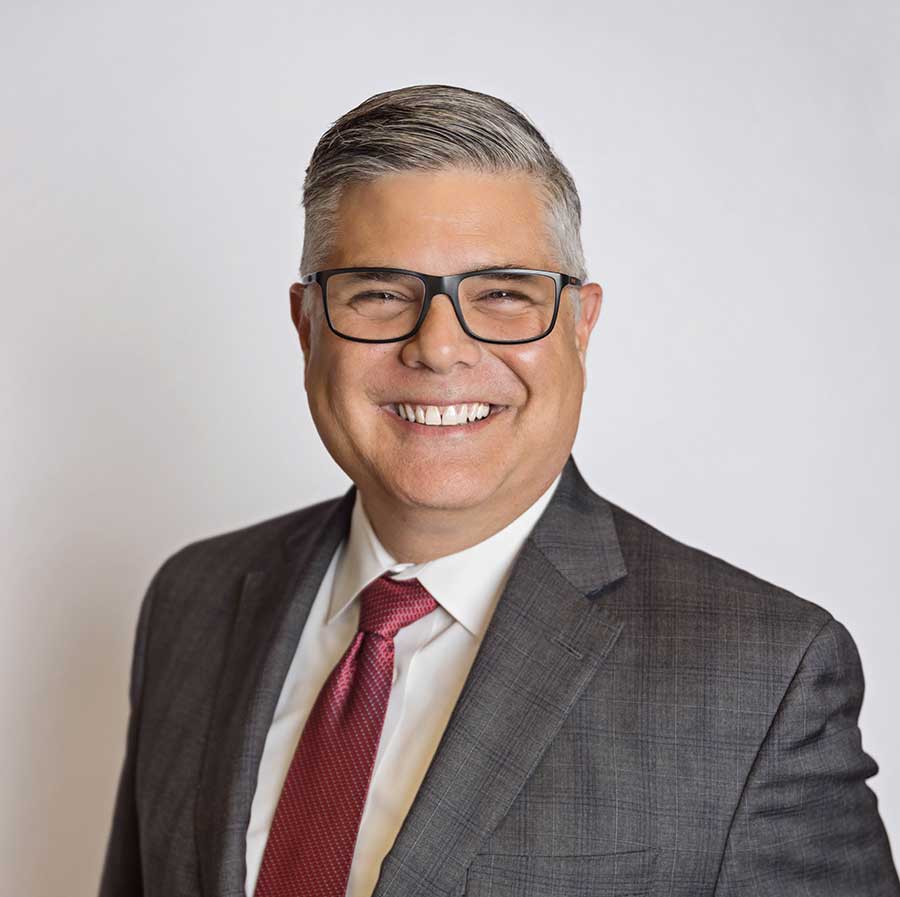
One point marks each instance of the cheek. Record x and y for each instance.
(530, 355)
(339, 378)
(554, 382)
(326, 392)
(544, 371)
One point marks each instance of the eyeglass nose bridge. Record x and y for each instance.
(441, 285)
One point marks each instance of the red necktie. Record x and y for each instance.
(313, 834)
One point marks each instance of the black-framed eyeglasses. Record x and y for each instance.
(493, 305)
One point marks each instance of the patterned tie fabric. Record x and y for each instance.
(313, 834)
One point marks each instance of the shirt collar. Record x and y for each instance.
(463, 583)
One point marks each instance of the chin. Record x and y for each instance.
(440, 487)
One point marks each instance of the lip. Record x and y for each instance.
(443, 403)
(432, 430)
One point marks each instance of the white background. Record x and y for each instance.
(738, 169)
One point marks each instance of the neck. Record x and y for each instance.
(416, 534)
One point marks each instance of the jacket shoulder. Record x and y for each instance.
(236, 551)
(695, 583)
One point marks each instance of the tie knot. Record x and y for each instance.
(387, 605)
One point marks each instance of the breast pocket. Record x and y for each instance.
(627, 873)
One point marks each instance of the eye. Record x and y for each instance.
(504, 295)
(379, 296)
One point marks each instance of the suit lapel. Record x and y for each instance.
(268, 621)
(548, 637)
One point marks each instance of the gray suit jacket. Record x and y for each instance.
(642, 719)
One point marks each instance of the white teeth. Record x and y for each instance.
(452, 415)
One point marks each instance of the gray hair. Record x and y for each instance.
(430, 127)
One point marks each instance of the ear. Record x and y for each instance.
(301, 320)
(591, 300)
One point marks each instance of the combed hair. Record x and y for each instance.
(429, 127)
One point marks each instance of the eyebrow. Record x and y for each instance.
(500, 265)
(395, 276)
(381, 276)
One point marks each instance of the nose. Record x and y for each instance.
(441, 342)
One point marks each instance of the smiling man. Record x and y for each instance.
(472, 674)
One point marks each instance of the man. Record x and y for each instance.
(471, 674)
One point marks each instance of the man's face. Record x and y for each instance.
(445, 223)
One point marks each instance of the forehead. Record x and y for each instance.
(443, 222)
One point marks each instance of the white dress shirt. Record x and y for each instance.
(432, 659)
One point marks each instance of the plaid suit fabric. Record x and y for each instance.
(642, 718)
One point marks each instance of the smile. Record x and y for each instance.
(468, 413)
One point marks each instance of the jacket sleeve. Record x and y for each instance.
(121, 876)
(807, 823)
